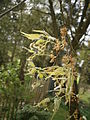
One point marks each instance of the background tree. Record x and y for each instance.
(48, 15)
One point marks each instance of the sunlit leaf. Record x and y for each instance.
(35, 85)
(78, 78)
(41, 31)
(31, 51)
(32, 36)
(56, 106)
(44, 102)
(31, 64)
(40, 41)
(57, 72)
(40, 75)
(57, 103)
(33, 71)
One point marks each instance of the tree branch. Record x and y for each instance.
(75, 42)
(47, 13)
(6, 12)
(82, 26)
(74, 3)
(61, 9)
(54, 23)
(84, 13)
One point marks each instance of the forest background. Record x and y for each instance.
(48, 15)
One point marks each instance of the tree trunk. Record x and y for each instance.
(13, 52)
(23, 62)
(74, 103)
(54, 23)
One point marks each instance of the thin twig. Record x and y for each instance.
(6, 12)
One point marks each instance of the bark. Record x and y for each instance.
(23, 63)
(74, 103)
(54, 23)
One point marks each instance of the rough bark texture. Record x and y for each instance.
(74, 104)
(23, 62)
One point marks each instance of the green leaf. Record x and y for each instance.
(58, 71)
(40, 75)
(40, 41)
(36, 84)
(31, 51)
(32, 36)
(33, 71)
(56, 103)
(44, 102)
(31, 64)
(41, 31)
(78, 78)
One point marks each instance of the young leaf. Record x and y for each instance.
(41, 31)
(32, 36)
(40, 75)
(78, 78)
(31, 51)
(40, 41)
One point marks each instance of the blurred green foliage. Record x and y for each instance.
(32, 113)
(12, 92)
